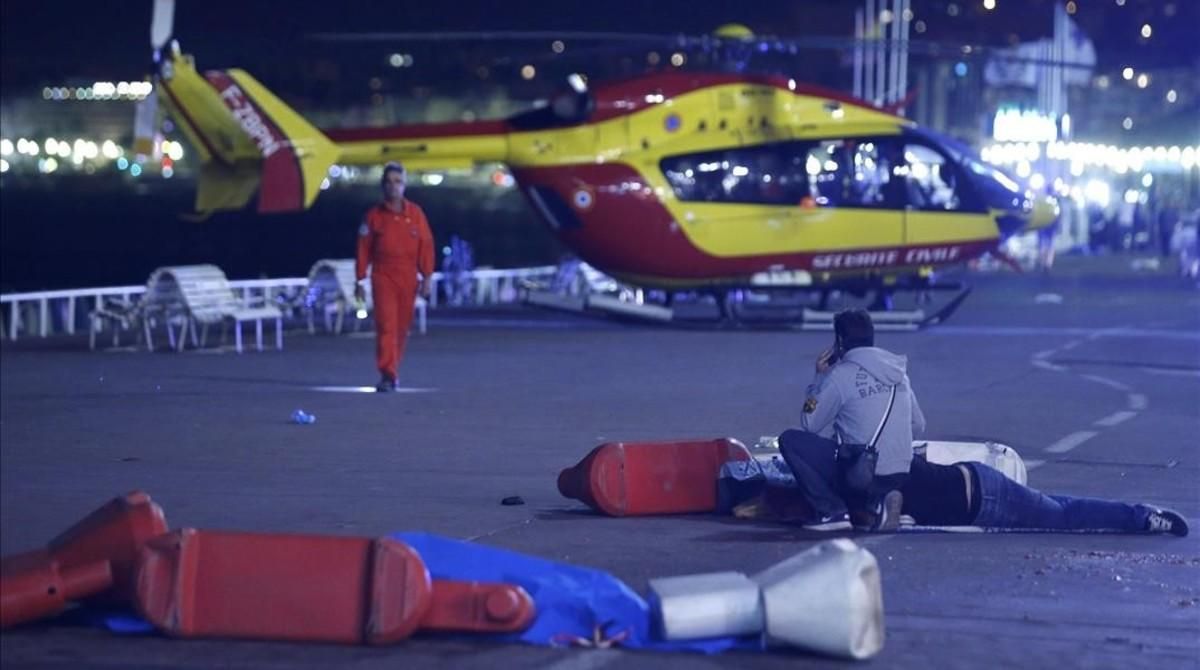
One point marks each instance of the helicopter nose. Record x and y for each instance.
(1045, 212)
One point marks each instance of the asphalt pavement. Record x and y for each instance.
(1092, 374)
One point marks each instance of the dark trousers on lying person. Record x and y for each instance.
(813, 461)
(1003, 503)
(974, 494)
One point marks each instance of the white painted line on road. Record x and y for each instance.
(1116, 418)
(1041, 355)
(1138, 401)
(1047, 365)
(1174, 373)
(1071, 345)
(1111, 383)
(1031, 464)
(1071, 441)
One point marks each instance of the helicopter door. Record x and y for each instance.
(856, 177)
(940, 209)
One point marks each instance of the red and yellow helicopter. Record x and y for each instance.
(677, 181)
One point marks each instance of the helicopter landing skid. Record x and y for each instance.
(732, 313)
(909, 320)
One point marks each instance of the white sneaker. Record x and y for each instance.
(1166, 521)
(829, 522)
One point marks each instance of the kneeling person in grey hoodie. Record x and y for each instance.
(846, 403)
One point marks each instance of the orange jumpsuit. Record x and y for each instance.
(397, 245)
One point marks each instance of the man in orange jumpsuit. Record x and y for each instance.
(395, 241)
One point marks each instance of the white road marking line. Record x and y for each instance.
(1111, 383)
(1175, 373)
(1071, 441)
(1042, 355)
(1047, 365)
(1031, 464)
(1116, 418)
(1138, 401)
(1071, 345)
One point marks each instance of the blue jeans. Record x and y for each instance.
(1004, 503)
(813, 461)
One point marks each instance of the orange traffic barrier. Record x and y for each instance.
(478, 607)
(34, 588)
(314, 588)
(92, 559)
(640, 478)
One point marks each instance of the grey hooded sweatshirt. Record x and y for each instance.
(849, 399)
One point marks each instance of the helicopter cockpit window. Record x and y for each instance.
(772, 174)
(999, 191)
(931, 182)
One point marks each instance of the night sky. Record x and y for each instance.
(52, 41)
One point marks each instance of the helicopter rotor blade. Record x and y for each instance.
(162, 23)
(505, 36)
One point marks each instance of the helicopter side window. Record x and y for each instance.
(931, 182)
(827, 165)
(879, 173)
(770, 174)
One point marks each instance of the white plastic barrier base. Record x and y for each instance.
(828, 599)
(999, 456)
(712, 605)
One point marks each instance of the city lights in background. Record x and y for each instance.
(100, 90)
(1084, 155)
(54, 155)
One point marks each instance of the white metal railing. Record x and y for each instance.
(46, 313)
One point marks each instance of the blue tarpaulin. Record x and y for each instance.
(572, 602)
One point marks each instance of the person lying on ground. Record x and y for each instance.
(973, 494)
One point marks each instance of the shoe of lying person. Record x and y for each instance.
(829, 522)
(887, 512)
(1166, 521)
(882, 516)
